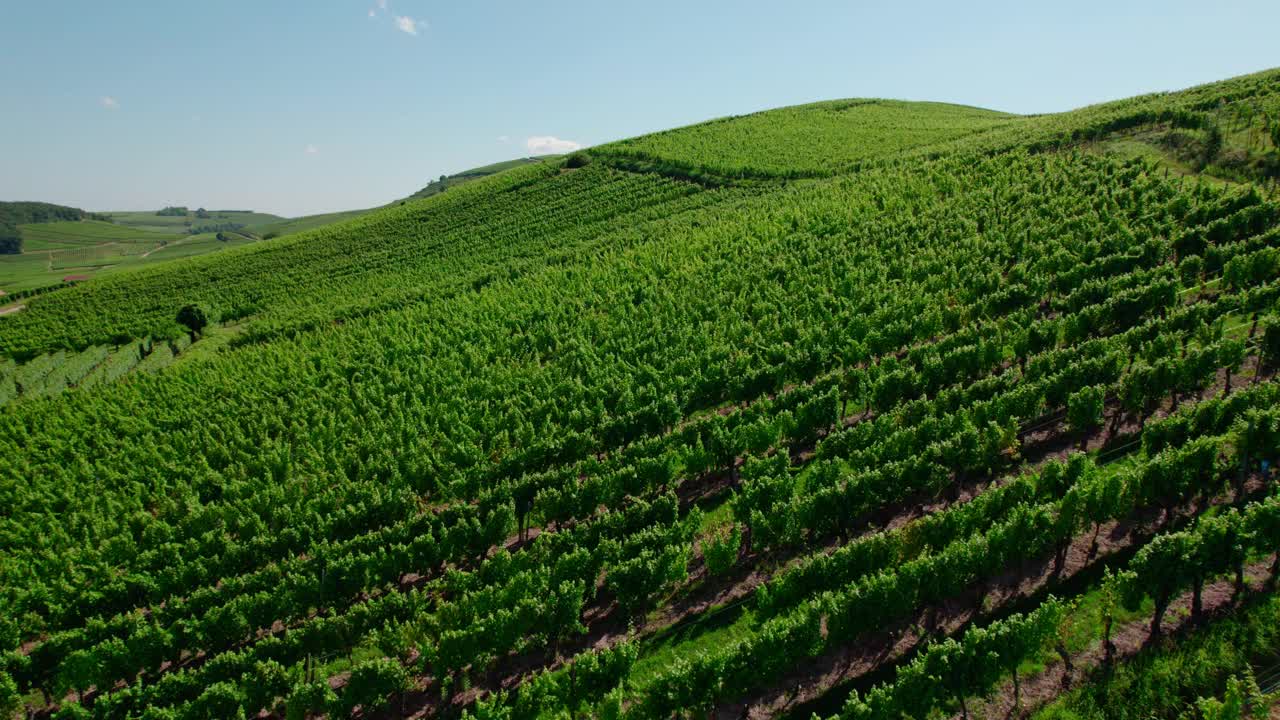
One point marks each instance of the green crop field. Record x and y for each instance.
(864, 409)
(180, 223)
(88, 248)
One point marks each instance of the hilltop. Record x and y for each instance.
(864, 408)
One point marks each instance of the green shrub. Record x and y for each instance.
(721, 551)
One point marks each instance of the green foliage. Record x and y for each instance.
(1166, 680)
(21, 213)
(13, 214)
(957, 669)
(452, 433)
(721, 550)
(195, 317)
(1270, 347)
(306, 698)
(10, 698)
(1241, 696)
(220, 701)
(370, 685)
(806, 140)
(638, 582)
(1085, 409)
(72, 711)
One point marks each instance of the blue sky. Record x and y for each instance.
(302, 107)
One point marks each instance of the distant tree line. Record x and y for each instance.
(13, 214)
(183, 211)
(10, 240)
(216, 227)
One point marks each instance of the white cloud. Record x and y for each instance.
(549, 144)
(409, 25)
(504, 138)
(372, 12)
(110, 103)
(311, 150)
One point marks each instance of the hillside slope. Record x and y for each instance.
(311, 222)
(720, 420)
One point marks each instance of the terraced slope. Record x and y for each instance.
(642, 437)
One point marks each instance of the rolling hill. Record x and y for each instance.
(311, 222)
(57, 250)
(448, 181)
(85, 249)
(862, 409)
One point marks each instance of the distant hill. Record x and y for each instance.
(65, 244)
(55, 242)
(13, 214)
(191, 221)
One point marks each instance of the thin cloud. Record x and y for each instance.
(110, 103)
(504, 138)
(311, 150)
(409, 25)
(551, 145)
(372, 12)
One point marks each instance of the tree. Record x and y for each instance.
(195, 317)
(1085, 411)
(10, 240)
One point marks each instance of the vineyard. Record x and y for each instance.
(862, 409)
